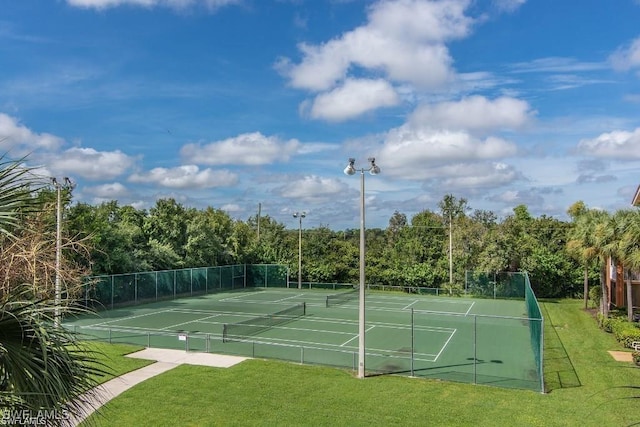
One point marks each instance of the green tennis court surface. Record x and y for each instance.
(481, 341)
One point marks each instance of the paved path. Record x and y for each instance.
(165, 360)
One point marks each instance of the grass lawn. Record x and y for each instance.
(112, 356)
(585, 389)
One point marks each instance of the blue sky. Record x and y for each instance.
(235, 103)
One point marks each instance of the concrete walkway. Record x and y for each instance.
(165, 360)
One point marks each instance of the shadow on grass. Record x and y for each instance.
(559, 371)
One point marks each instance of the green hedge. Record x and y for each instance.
(624, 331)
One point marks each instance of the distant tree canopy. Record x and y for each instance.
(409, 252)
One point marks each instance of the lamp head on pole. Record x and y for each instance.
(373, 168)
(68, 183)
(300, 215)
(351, 168)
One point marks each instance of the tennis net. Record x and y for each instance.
(236, 331)
(342, 297)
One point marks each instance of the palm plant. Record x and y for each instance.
(18, 185)
(42, 367)
(584, 245)
(629, 248)
(611, 236)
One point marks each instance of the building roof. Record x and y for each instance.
(636, 198)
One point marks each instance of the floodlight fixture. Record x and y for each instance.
(351, 168)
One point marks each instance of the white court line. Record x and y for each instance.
(357, 335)
(470, 307)
(406, 307)
(131, 317)
(284, 299)
(445, 345)
(186, 323)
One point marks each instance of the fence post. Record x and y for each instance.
(475, 349)
(412, 341)
(541, 368)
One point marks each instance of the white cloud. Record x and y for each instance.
(109, 191)
(186, 177)
(440, 143)
(556, 64)
(232, 208)
(91, 164)
(475, 113)
(246, 149)
(403, 38)
(410, 153)
(626, 57)
(20, 140)
(621, 145)
(509, 5)
(174, 4)
(475, 175)
(312, 189)
(353, 98)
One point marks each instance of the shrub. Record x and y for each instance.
(626, 333)
(606, 323)
(636, 357)
(595, 294)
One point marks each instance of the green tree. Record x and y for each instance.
(630, 248)
(581, 243)
(621, 245)
(602, 250)
(166, 225)
(208, 234)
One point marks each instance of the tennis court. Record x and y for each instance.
(483, 341)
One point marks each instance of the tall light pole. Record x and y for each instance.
(299, 216)
(66, 185)
(373, 169)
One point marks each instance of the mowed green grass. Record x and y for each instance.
(111, 356)
(586, 388)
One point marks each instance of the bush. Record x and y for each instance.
(626, 333)
(606, 323)
(636, 357)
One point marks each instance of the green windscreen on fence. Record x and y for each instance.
(535, 324)
(136, 288)
(497, 285)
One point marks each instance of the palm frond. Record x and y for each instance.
(42, 367)
(18, 185)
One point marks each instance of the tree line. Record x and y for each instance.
(431, 249)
